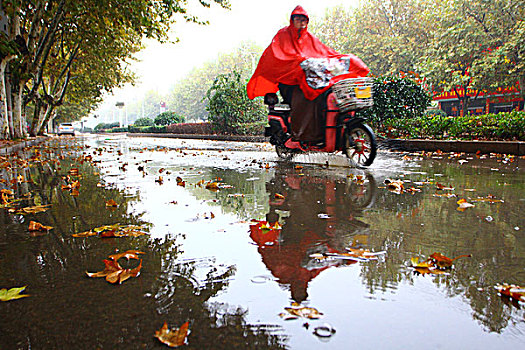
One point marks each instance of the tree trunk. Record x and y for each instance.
(47, 116)
(19, 128)
(4, 111)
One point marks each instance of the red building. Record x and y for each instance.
(503, 100)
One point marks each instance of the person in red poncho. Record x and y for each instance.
(279, 69)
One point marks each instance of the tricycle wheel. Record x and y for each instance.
(360, 144)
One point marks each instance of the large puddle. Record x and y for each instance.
(258, 254)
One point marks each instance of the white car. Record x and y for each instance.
(66, 129)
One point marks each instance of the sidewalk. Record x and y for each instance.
(8, 146)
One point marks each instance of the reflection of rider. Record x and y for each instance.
(286, 254)
(279, 68)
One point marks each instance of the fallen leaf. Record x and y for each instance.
(115, 230)
(32, 210)
(444, 262)
(173, 338)
(396, 186)
(512, 291)
(129, 254)
(12, 294)
(114, 273)
(306, 312)
(111, 203)
(463, 204)
(212, 186)
(36, 226)
(279, 196)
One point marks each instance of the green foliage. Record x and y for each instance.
(501, 126)
(168, 118)
(105, 126)
(188, 97)
(143, 122)
(398, 98)
(229, 106)
(158, 129)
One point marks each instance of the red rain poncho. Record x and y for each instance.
(280, 62)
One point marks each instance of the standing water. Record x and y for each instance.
(254, 253)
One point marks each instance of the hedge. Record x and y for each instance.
(501, 126)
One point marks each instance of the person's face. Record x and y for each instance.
(300, 22)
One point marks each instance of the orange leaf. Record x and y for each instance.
(445, 262)
(173, 338)
(212, 186)
(512, 291)
(279, 196)
(36, 226)
(111, 267)
(129, 254)
(111, 203)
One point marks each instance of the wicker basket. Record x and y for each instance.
(354, 94)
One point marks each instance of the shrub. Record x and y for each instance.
(143, 122)
(229, 106)
(168, 118)
(159, 129)
(396, 97)
(501, 126)
(190, 128)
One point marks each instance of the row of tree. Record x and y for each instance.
(457, 45)
(67, 53)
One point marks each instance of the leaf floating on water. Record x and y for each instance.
(12, 294)
(214, 186)
(115, 230)
(173, 338)
(111, 203)
(303, 311)
(114, 273)
(180, 182)
(435, 264)
(31, 210)
(512, 291)
(129, 254)
(463, 204)
(36, 226)
(396, 186)
(444, 188)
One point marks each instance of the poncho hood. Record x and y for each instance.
(280, 62)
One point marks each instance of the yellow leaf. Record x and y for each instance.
(173, 338)
(12, 294)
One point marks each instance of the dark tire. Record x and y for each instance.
(284, 153)
(360, 144)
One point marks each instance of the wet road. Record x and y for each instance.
(214, 256)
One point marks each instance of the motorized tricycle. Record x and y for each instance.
(344, 131)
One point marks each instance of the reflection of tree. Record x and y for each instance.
(250, 185)
(408, 225)
(69, 310)
(287, 255)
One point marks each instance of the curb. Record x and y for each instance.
(484, 147)
(15, 147)
(237, 138)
